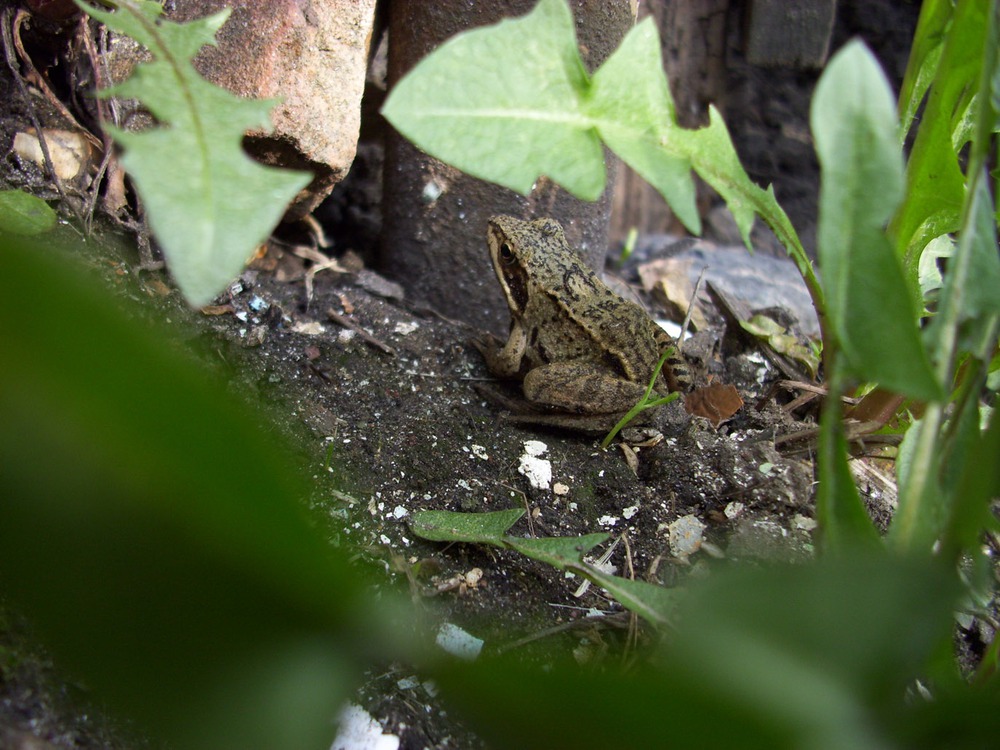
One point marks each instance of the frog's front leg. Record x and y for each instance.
(504, 361)
(581, 388)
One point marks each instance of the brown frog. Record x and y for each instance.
(584, 354)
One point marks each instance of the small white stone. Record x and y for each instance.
(733, 510)
(308, 328)
(537, 470)
(535, 447)
(560, 489)
(629, 512)
(684, 536)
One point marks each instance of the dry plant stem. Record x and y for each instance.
(690, 310)
(97, 65)
(346, 322)
(11, 32)
(42, 84)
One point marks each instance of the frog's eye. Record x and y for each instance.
(506, 254)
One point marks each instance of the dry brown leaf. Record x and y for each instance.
(717, 403)
(217, 309)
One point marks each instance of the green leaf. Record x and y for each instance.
(782, 341)
(209, 204)
(512, 107)
(450, 526)
(841, 514)
(638, 121)
(23, 213)
(656, 604)
(925, 55)
(561, 552)
(935, 187)
(979, 290)
(154, 531)
(600, 708)
(978, 482)
(868, 301)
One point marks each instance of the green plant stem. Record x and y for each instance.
(644, 402)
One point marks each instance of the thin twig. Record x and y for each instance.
(346, 322)
(11, 41)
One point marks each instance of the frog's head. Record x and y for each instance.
(514, 250)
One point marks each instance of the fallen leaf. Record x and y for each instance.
(717, 403)
(217, 309)
(782, 341)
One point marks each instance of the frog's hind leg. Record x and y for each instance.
(581, 388)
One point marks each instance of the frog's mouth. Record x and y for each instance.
(514, 278)
(510, 273)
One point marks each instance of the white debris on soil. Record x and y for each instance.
(684, 536)
(308, 328)
(537, 470)
(457, 642)
(607, 520)
(803, 523)
(359, 731)
(733, 510)
(405, 328)
(560, 489)
(407, 683)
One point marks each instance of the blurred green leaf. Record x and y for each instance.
(827, 648)
(975, 486)
(868, 302)
(208, 203)
(818, 655)
(154, 531)
(23, 213)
